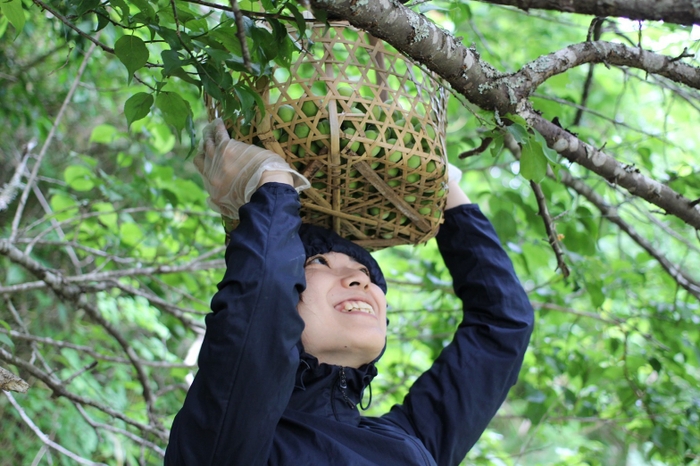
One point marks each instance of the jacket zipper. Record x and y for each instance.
(342, 384)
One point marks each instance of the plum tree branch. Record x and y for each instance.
(481, 84)
(45, 438)
(686, 12)
(60, 390)
(533, 74)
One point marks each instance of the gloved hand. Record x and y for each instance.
(453, 173)
(231, 170)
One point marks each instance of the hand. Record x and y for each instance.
(233, 170)
(455, 195)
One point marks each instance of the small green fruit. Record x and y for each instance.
(318, 185)
(424, 211)
(393, 183)
(395, 156)
(324, 127)
(309, 108)
(430, 167)
(392, 172)
(410, 198)
(413, 162)
(302, 130)
(413, 177)
(345, 91)
(286, 113)
(319, 174)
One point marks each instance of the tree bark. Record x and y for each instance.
(684, 12)
(423, 41)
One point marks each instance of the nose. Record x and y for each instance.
(355, 278)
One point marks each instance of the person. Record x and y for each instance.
(299, 322)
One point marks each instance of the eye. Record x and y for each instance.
(319, 259)
(365, 270)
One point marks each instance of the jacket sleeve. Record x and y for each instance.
(249, 358)
(450, 405)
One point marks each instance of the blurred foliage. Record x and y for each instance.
(612, 376)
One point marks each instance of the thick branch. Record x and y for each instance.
(536, 72)
(625, 176)
(11, 382)
(669, 11)
(423, 41)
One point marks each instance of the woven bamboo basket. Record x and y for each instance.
(366, 126)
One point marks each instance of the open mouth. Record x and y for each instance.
(356, 306)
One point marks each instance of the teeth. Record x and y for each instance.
(350, 306)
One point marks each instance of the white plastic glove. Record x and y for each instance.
(231, 170)
(453, 174)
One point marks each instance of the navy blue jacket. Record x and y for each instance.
(258, 399)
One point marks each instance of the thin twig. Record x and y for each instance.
(59, 390)
(594, 33)
(49, 139)
(10, 189)
(240, 33)
(45, 438)
(67, 22)
(549, 226)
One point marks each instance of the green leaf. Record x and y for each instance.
(103, 134)
(86, 5)
(497, 144)
(227, 37)
(299, 18)
(249, 101)
(15, 14)
(595, 293)
(533, 163)
(519, 133)
(6, 340)
(174, 108)
(145, 8)
(551, 154)
(79, 178)
(137, 107)
(132, 52)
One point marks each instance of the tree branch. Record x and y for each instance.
(49, 139)
(533, 74)
(685, 12)
(481, 84)
(59, 389)
(45, 438)
(625, 176)
(611, 214)
(11, 382)
(549, 227)
(67, 22)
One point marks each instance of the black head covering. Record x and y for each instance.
(318, 240)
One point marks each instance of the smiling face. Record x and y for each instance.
(343, 311)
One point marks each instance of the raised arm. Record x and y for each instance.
(249, 358)
(450, 405)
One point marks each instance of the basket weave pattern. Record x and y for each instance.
(367, 127)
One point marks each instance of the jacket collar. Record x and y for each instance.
(328, 390)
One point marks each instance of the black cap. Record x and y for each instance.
(319, 240)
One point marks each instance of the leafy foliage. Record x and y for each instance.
(119, 213)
